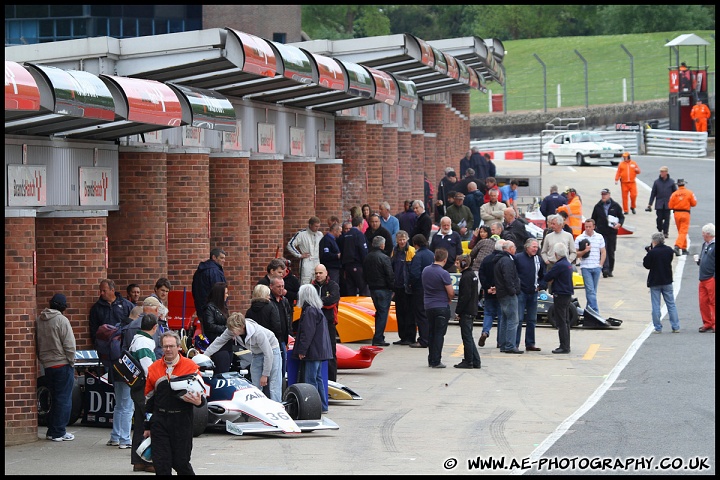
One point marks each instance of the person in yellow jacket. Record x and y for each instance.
(700, 114)
(574, 211)
(681, 201)
(626, 173)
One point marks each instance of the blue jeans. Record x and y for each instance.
(438, 319)
(122, 413)
(273, 390)
(381, 300)
(527, 310)
(591, 277)
(313, 376)
(471, 355)
(509, 322)
(491, 309)
(61, 381)
(667, 293)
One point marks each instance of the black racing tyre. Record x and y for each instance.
(302, 402)
(44, 401)
(551, 159)
(200, 420)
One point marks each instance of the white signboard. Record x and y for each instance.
(192, 136)
(95, 186)
(153, 137)
(266, 138)
(324, 144)
(297, 142)
(27, 185)
(232, 141)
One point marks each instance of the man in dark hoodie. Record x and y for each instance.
(56, 352)
(208, 273)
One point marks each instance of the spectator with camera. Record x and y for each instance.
(658, 260)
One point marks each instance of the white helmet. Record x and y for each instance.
(144, 450)
(186, 383)
(204, 363)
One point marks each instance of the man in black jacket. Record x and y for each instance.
(507, 287)
(563, 290)
(330, 252)
(376, 229)
(423, 224)
(609, 217)
(659, 260)
(514, 229)
(353, 248)
(663, 187)
(379, 276)
(466, 309)
(329, 292)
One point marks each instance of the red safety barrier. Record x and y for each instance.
(514, 155)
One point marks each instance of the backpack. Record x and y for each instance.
(108, 341)
(129, 369)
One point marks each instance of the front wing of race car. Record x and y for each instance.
(248, 428)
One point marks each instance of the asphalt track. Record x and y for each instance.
(621, 397)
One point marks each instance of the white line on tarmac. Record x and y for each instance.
(611, 378)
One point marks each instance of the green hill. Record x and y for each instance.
(608, 67)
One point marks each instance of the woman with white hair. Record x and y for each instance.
(312, 343)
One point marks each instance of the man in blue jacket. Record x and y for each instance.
(662, 188)
(423, 257)
(208, 273)
(659, 260)
(561, 276)
(354, 249)
(531, 270)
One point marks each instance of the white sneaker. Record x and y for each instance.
(124, 445)
(65, 438)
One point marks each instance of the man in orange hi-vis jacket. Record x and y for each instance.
(681, 201)
(574, 211)
(626, 172)
(700, 114)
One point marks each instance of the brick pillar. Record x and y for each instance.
(266, 214)
(390, 168)
(418, 167)
(375, 159)
(299, 194)
(21, 311)
(136, 232)
(435, 121)
(431, 167)
(188, 207)
(328, 189)
(71, 260)
(351, 144)
(407, 162)
(461, 101)
(229, 222)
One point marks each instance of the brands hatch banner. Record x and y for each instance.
(95, 186)
(27, 185)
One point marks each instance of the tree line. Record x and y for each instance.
(504, 22)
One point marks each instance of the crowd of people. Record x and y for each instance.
(388, 258)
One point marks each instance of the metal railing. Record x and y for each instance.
(673, 143)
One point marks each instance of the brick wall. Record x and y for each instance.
(188, 206)
(266, 221)
(407, 162)
(375, 157)
(71, 260)
(390, 169)
(229, 226)
(21, 310)
(461, 101)
(418, 167)
(351, 145)
(260, 20)
(328, 189)
(136, 233)
(299, 196)
(434, 121)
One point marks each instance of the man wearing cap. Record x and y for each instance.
(609, 217)
(461, 217)
(55, 346)
(574, 210)
(626, 172)
(663, 187)
(446, 184)
(681, 201)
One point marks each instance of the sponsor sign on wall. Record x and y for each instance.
(297, 142)
(27, 185)
(232, 141)
(266, 138)
(192, 136)
(95, 186)
(324, 144)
